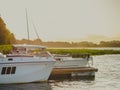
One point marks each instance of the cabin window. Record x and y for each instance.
(3, 70)
(8, 70)
(13, 70)
(10, 59)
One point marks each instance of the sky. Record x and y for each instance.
(63, 20)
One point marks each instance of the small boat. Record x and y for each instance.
(73, 61)
(23, 66)
(73, 66)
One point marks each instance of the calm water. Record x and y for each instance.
(107, 78)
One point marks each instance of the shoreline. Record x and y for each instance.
(67, 50)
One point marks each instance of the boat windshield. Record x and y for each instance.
(32, 50)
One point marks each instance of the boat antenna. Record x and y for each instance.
(36, 31)
(27, 25)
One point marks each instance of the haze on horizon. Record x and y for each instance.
(64, 20)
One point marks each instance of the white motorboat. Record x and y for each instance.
(67, 61)
(22, 66)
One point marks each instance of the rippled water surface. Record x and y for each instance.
(107, 78)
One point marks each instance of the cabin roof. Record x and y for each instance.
(29, 46)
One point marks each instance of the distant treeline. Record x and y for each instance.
(114, 43)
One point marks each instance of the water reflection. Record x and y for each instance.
(51, 85)
(28, 86)
(72, 84)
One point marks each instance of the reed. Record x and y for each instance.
(83, 51)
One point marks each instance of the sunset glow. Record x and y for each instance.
(64, 20)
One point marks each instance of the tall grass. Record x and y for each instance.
(83, 51)
(7, 48)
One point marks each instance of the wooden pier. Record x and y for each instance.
(61, 73)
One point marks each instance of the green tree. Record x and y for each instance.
(6, 36)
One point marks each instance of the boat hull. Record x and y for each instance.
(71, 63)
(27, 72)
